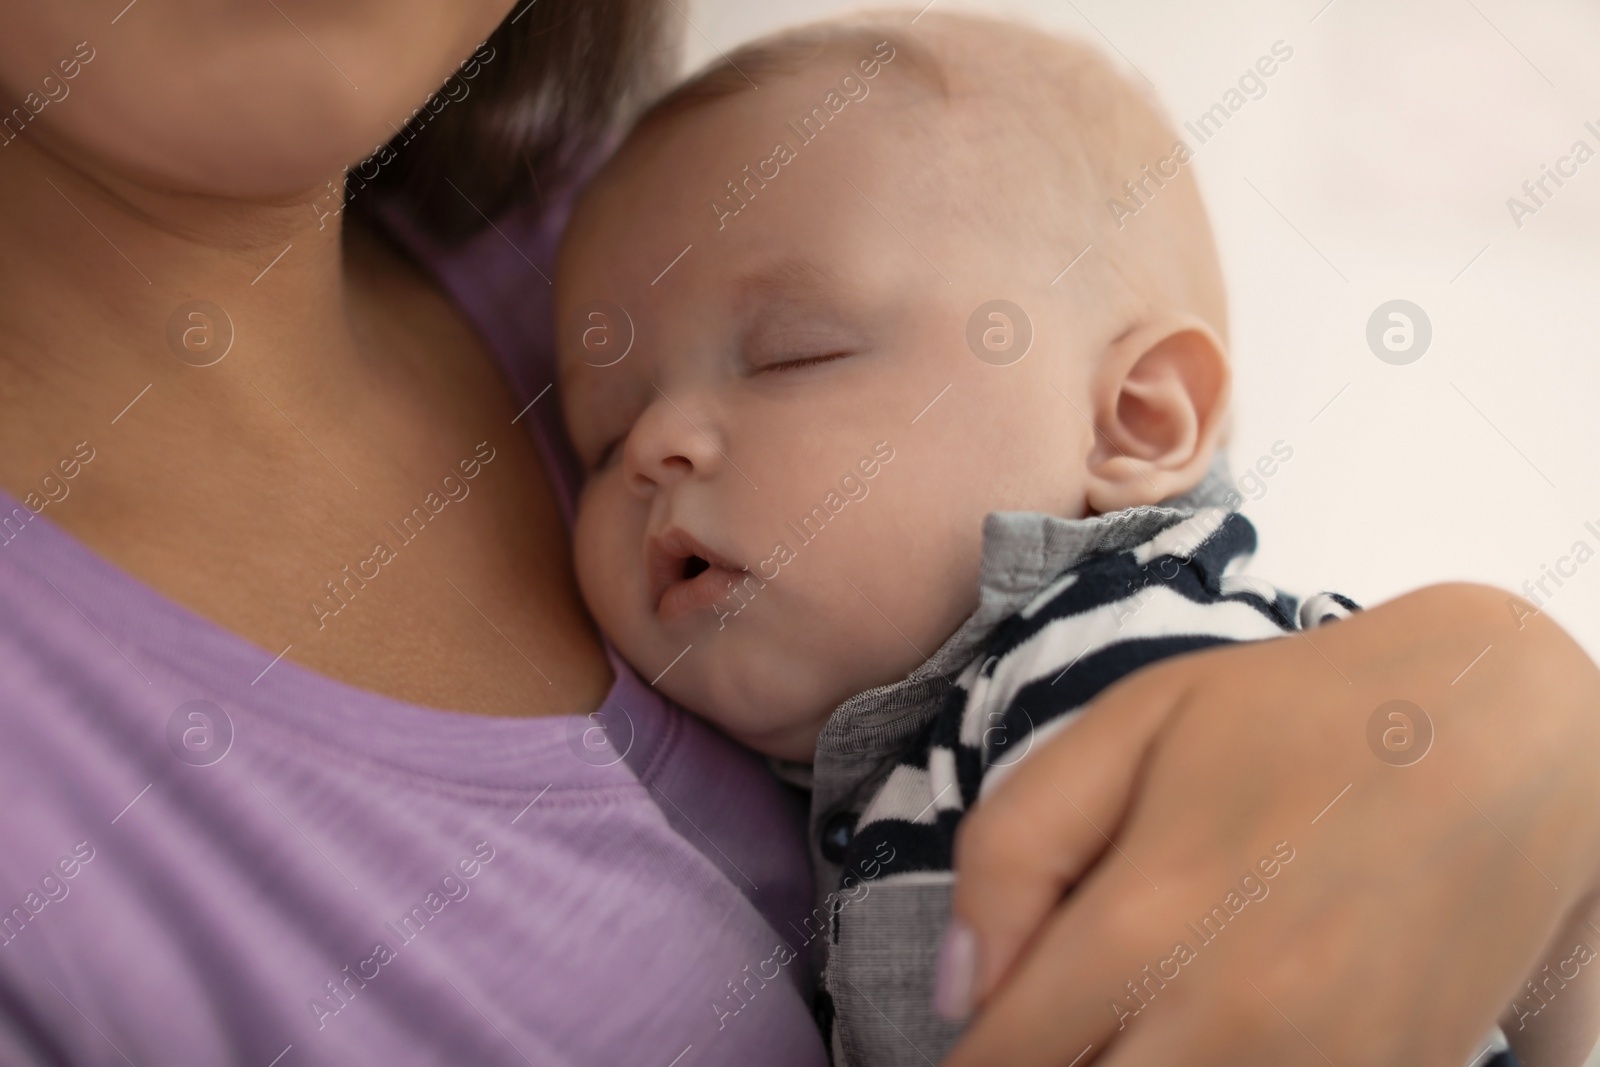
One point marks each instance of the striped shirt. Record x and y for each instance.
(1067, 609)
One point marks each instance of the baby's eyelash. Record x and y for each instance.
(805, 361)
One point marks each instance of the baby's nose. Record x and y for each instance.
(669, 444)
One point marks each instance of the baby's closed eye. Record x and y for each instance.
(793, 363)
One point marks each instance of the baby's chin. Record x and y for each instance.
(786, 737)
(796, 744)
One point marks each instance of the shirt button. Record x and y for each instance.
(837, 830)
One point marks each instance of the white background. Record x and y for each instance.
(1391, 142)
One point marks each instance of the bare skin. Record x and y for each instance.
(204, 489)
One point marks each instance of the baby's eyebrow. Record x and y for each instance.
(785, 277)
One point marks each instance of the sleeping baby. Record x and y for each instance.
(900, 447)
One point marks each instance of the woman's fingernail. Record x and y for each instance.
(958, 972)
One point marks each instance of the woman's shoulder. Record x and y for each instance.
(501, 278)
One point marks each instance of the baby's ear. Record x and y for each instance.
(1160, 397)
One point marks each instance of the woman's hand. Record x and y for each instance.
(1415, 897)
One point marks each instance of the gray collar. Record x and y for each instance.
(1022, 552)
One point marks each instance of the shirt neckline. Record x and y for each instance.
(178, 654)
(187, 651)
(1023, 550)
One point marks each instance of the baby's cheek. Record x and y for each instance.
(606, 559)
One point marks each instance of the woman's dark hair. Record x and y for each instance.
(553, 82)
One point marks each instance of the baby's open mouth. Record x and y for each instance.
(685, 575)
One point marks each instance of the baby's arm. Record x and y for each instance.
(1555, 1020)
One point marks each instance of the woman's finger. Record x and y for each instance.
(1178, 1032)
(1045, 824)
(1190, 961)
(1056, 1003)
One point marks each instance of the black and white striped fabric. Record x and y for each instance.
(1135, 600)
(1098, 622)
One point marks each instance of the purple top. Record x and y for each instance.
(209, 857)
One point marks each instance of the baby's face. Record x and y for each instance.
(790, 444)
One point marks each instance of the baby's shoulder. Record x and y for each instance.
(1190, 575)
(1117, 611)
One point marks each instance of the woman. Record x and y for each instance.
(272, 503)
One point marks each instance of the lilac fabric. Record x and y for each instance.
(208, 857)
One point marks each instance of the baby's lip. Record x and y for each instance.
(666, 555)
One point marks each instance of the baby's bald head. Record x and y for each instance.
(1056, 148)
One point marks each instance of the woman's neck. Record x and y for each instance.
(92, 272)
(246, 487)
